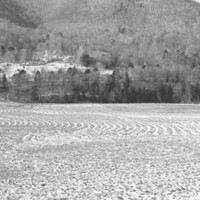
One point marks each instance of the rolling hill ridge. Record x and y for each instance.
(138, 28)
(14, 12)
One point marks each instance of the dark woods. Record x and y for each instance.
(121, 86)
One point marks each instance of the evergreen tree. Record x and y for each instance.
(5, 83)
(37, 79)
(34, 93)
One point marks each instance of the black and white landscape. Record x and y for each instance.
(99, 100)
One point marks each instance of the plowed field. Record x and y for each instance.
(136, 152)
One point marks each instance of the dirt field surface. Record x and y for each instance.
(90, 152)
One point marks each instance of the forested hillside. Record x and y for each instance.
(16, 13)
(152, 46)
(137, 26)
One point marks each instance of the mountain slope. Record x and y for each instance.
(142, 28)
(15, 13)
(139, 15)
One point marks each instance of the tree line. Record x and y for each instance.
(124, 85)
